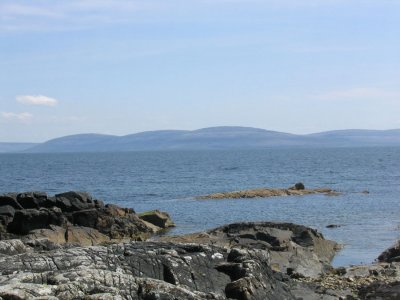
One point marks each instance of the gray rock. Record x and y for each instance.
(141, 270)
(295, 249)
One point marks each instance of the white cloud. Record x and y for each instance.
(362, 93)
(37, 100)
(23, 117)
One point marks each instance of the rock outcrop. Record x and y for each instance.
(294, 249)
(72, 217)
(139, 270)
(391, 255)
(297, 190)
(64, 247)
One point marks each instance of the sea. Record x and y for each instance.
(170, 181)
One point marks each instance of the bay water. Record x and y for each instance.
(170, 181)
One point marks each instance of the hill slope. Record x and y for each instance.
(215, 138)
(15, 147)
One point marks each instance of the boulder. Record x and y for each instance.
(7, 211)
(74, 201)
(29, 219)
(299, 186)
(87, 218)
(10, 199)
(390, 255)
(157, 218)
(32, 199)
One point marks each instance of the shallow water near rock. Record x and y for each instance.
(169, 181)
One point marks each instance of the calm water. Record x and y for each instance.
(170, 180)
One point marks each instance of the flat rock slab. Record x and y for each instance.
(266, 192)
(294, 249)
(140, 271)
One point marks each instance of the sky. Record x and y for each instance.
(120, 67)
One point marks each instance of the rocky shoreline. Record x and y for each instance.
(71, 246)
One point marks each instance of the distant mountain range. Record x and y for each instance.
(207, 139)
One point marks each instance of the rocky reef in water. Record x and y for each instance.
(72, 246)
(297, 190)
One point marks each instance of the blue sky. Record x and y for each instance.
(119, 67)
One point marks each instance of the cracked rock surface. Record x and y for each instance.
(139, 270)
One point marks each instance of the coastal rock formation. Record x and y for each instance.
(375, 281)
(294, 249)
(140, 270)
(297, 190)
(50, 249)
(72, 217)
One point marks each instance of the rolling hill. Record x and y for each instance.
(227, 137)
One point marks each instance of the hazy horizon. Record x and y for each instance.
(121, 67)
(171, 129)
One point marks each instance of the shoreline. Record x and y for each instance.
(247, 260)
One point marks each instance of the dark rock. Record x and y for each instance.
(157, 218)
(98, 203)
(35, 213)
(7, 211)
(29, 219)
(87, 218)
(333, 226)
(11, 200)
(381, 290)
(32, 199)
(299, 186)
(74, 201)
(391, 254)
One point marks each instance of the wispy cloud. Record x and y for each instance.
(20, 15)
(37, 100)
(23, 117)
(361, 93)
